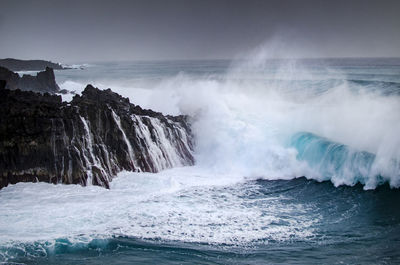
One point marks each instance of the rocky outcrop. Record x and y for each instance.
(28, 65)
(42, 82)
(87, 141)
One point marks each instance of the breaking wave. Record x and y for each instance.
(341, 164)
(246, 113)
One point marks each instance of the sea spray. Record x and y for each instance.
(245, 113)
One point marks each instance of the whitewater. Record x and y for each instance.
(295, 159)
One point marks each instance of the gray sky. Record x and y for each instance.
(68, 31)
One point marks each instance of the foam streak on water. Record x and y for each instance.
(183, 204)
(189, 208)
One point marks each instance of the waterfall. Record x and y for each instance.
(117, 120)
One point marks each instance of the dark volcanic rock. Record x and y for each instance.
(3, 84)
(86, 141)
(42, 82)
(28, 65)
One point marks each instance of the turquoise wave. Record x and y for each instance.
(334, 160)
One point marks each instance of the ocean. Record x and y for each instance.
(297, 162)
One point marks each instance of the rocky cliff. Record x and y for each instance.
(28, 65)
(42, 82)
(87, 141)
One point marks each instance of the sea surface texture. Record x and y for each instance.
(297, 162)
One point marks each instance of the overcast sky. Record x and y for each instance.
(79, 31)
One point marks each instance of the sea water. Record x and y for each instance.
(297, 161)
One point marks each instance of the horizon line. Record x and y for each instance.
(209, 59)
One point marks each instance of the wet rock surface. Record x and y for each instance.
(87, 141)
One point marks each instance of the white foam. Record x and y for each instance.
(72, 88)
(187, 204)
(77, 66)
(21, 73)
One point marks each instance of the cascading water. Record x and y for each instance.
(128, 144)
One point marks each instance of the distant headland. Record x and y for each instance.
(29, 65)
